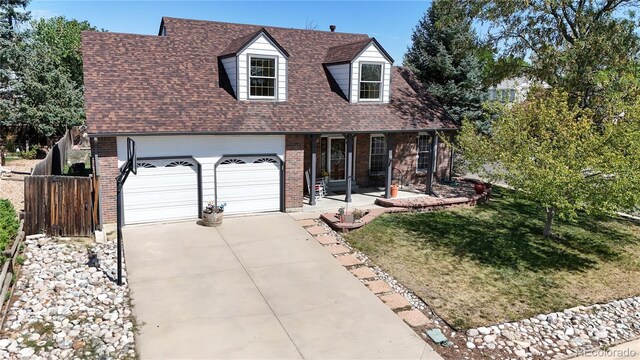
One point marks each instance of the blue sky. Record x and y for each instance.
(391, 22)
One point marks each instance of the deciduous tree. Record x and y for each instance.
(550, 149)
(63, 36)
(570, 43)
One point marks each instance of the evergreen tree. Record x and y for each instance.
(12, 15)
(445, 56)
(50, 101)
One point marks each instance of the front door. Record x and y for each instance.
(337, 159)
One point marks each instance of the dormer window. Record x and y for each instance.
(362, 70)
(262, 77)
(256, 66)
(370, 81)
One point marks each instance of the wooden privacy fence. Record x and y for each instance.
(58, 205)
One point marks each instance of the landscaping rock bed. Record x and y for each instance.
(66, 305)
(562, 334)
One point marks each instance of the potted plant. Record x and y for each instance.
(479, 188)
(394, 191)
(212, 214)
(344, 216)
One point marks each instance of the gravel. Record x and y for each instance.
(565, 333)
(62, 308)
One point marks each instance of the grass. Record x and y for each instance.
(490, 264)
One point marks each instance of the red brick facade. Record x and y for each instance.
(297, 160)
(107, 152)
(294, 172)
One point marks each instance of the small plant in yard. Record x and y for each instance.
(212, 208)
(358, 214)
(20, 259)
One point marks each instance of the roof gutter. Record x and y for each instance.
(174, 133)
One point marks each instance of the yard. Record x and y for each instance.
(490, 264)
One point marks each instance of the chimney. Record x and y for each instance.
(332, 28)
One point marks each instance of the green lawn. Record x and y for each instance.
(490, 264)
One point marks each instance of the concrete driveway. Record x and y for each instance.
(258, 287)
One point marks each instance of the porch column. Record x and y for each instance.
(387, 183)
(349, 167)
(432, 162)
(312, 181)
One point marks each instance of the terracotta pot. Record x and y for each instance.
(394, 191)
(213, 219)
(479, 188)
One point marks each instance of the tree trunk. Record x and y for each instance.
(551, 212)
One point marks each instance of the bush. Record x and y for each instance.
(8, 223)
(29, 155)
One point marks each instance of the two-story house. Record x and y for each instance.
(241, 112)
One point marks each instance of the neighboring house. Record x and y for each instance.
(230, 110)
(512, 90)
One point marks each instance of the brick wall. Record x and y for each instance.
(106, 150)
(294, 172)
(363, 143)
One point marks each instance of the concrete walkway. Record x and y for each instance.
(256, 288)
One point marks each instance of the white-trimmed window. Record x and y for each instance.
(377, 152)
(424, 151)
(370, 81)
(262, 77)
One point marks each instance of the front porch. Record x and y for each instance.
(357, 169)
(362, 198)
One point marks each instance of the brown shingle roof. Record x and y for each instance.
(238, 44)
(175, 84)
(348, 52)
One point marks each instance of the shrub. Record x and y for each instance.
(8, 223)
(30, 154)
(358, 214)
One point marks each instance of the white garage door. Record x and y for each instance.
(249, 184)
(162, 190)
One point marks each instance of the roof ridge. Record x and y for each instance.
(261, 25)
(353, 43)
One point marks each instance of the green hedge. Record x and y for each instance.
(8, 223)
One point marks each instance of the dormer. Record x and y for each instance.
(362, 70)
(256, 66)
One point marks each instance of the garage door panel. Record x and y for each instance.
(247, 186)
(163, 189)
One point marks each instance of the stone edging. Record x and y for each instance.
(370, 277)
